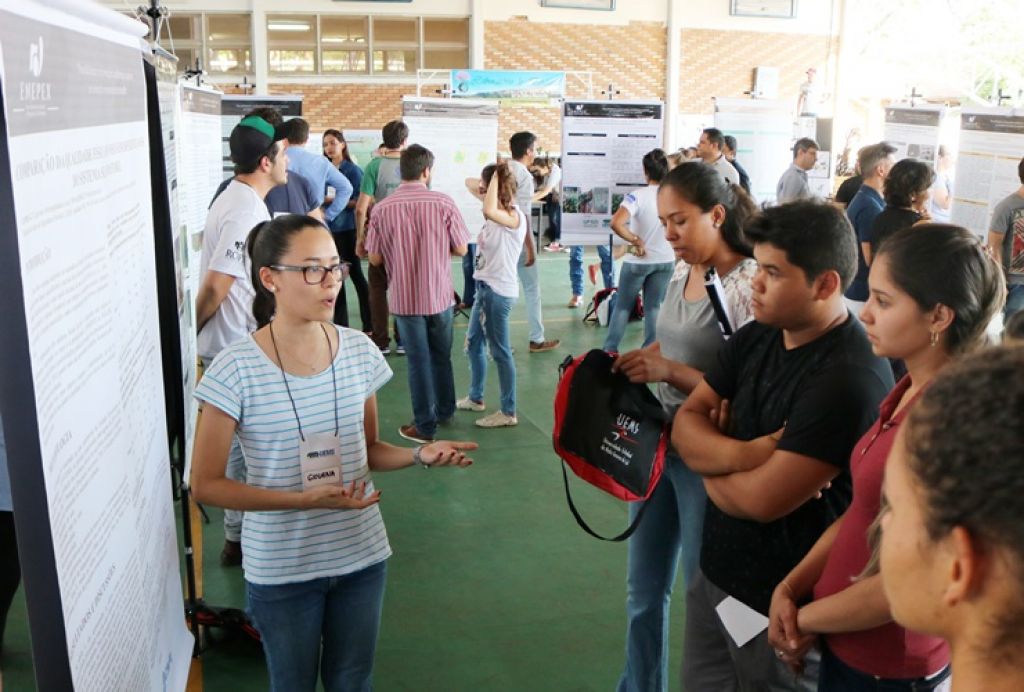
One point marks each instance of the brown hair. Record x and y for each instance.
(506, 184)
(338, 135)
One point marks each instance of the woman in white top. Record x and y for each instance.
(497, 288)
(300, 395)
(650, 263)
(704, 218)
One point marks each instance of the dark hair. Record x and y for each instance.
(1013, 328)
(730, 142)
(394, 134)
(655, 165)
(803, 144)
(815, 236)
(873, 154)
(703, 186)
(338, 135)
(1020, 171)
(246, 146)
(963, 441)
(944, 264)
(296, 130)
(486, 173)
(715, 136)
(267, 243)
(906, 179)
(415, 159)
(520, 143)
(271, 115)
(506, 183)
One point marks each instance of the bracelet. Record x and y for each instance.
(417, 457)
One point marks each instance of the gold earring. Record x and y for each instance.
(934, 338)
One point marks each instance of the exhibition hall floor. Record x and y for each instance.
(492, 585)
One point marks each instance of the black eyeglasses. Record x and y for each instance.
(315, 274)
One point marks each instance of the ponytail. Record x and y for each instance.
(267, 243)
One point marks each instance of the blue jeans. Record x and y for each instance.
(468, 283)
(668, 535)
(530, 280)
(428, 349)
(554, 219)
(1014, 300)
(489, 322)
(836, 676)
(576, 268)
(327, 626)
(635, 277)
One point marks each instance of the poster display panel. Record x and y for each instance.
(764, 132)
(233, 109)
(84, 293)
(461, 134)
(991, 142)
(914, 131)
(603, 145)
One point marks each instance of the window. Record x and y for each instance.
(341, 44)
(229, 43)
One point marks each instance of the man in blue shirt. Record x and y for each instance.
(875, 162)
(315, 168)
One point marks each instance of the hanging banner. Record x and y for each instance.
(508, 85)
(603, 145)
(991, 142)
(914, 131)
(461, 135)
(83, 395)
(764, 139)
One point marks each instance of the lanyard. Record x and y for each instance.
(284, 377)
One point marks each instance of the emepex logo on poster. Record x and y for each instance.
(33, 90)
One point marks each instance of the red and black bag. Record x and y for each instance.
(612, 433)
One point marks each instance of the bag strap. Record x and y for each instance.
(583, 524)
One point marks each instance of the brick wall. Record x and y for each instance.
(721, 63)
(348, 106)
(632, 57)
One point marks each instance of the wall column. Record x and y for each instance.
(673, 28)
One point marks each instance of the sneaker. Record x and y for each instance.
(468, 404)
(541, 346)
(231, 555)
(399, 350)
(385, 350)
(575, 302)
(410, 432)
(496, 420)
(552, 247)
(592, 270)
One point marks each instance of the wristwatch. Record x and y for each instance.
(417, 457)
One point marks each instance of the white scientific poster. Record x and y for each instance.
(914, 131)
(461, 134)
(75, 101)
(603, 146)
(991, 146)
(361, 145)
(764, 139)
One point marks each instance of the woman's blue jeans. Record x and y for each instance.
(489, 323)
(468, 282)
(668, 535)
(325, 626)
(634, 277)
(576, 268)
(835, 676)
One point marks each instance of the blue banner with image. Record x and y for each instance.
(512, 85)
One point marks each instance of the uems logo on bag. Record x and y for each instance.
(625, 429)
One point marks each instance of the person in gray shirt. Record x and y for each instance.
(793, 184)
(710, 150)
(1006, 241)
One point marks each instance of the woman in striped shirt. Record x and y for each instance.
(300, 395)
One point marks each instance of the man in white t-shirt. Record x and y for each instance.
(709, 149)
(224, 302)
(522, 145)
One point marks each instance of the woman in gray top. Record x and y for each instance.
(703, 218)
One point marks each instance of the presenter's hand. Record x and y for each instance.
(352, 496)
(360, 249)
(790, 644)
(643, 365)
(531, 256)
(639, 249)
(447, 453)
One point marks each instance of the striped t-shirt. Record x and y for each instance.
(279, 547)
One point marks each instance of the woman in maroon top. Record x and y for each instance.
(933, 292)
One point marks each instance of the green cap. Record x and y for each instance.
(258, 123)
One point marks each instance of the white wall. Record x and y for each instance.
(813, 17)
(625, 11)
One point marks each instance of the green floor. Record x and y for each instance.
(492, 586)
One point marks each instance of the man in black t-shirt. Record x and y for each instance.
(793, 392)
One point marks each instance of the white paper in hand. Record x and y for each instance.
(742, 622)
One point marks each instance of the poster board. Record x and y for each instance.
(990, 149)
(83, 397)
(461, 134)
(603, 145)
(233, 109)
(914, 131)
(361, 145)
(764, 133)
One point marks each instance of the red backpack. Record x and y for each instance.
(612, 433)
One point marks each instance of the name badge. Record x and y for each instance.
(320, 460)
